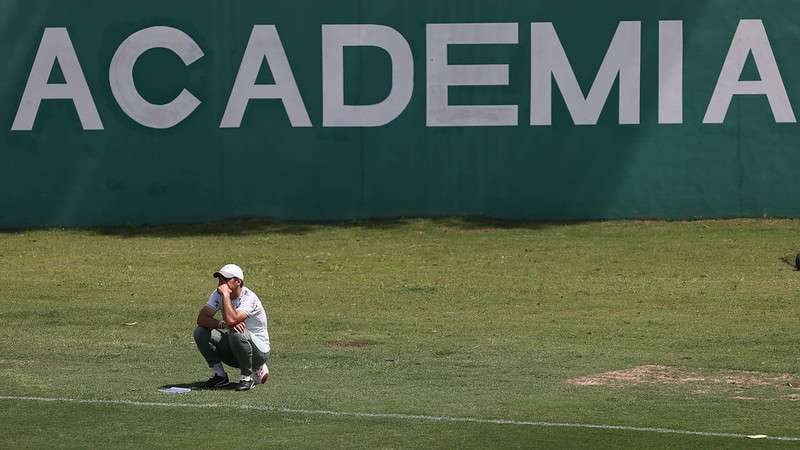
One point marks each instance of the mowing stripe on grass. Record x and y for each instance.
(396, 416)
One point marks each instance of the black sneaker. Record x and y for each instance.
(214, 382)
(246, 385)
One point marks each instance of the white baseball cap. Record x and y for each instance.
(230, 271)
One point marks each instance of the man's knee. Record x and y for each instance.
(202, 334)
(234, 337)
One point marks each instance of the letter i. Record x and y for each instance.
(670, 71)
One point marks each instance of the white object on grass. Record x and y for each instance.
(175, 390)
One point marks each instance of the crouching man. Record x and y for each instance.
(240, 339)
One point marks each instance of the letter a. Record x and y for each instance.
(265, 44)
(750, 37)
(56, 46)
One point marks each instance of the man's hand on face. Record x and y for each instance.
(224, 290)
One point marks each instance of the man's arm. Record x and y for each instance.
(232, 316)
(205, 318)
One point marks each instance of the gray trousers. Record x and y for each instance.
(230, 347)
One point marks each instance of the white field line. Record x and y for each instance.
(397, 416)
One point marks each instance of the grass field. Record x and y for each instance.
(453, 318)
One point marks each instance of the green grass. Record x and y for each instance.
(455, 317)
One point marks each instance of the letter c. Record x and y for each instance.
(123, 87)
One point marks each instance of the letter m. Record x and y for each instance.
(549, 62)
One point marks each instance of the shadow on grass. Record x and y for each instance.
(198, 386)
(795, 264)
(249, 227)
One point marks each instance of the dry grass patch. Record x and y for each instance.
(736, 384)
(349, 344)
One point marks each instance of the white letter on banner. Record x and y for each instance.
(334, 38)
(56, 46)
(750, 37)
(120, 76)
(670, 71)
(548, 60)
(440, 75)
(265, 43)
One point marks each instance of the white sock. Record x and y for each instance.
(219, 370)
(246, 378)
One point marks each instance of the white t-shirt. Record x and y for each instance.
(256, 321)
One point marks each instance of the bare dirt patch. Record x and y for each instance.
(349, 344)
(737, 384)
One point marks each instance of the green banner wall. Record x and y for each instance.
(658, 153)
